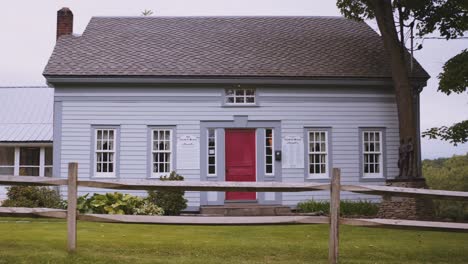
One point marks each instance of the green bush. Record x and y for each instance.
(116, 203)
(172, 202)
(448, 174)
(148, 208)
(33, 196)
(347, 208)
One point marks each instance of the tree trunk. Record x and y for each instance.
(409, 148)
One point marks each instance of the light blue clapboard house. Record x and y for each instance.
(261, 99)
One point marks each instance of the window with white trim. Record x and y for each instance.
(105, 152)
(161, 150)
(318, 153)
(240, 96)
(29, 161)
(269, 167)
(7, 161)
(26, 160)
(211, 152)
(48, 159)
(372, 154)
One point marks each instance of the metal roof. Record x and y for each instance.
(26, 114)
(293, 47)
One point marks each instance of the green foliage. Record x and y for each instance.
(449, 17)
(446, 16)
(454, 77)
(172, 202)
(457, 133)
(116, 203)
(147, 12)
(448, 174)
(148, 208)
(32, 196)
(356, 9)
(347, 208)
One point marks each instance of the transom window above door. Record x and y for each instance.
(240, 96)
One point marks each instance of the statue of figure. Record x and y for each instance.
(406, 159)
(402, 158)
(410, 157)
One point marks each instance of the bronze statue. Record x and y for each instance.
(406, 159)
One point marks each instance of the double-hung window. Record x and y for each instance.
(318, 153)
(372, 154)
(29, 161)
(7, 161)
(240, 96)
(48, 158)
(211, 152)
(269, 164)
(105, 149)
(161, 151)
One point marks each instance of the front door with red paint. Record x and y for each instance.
(240, 160)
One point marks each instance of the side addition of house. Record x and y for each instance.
(225, 99)
(26, 132)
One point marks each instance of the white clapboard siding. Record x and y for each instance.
(133, 109)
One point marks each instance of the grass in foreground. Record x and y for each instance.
(44, 241)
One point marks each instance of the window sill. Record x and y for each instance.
(239, 105)
(372, 179)
(318, 178)
(104, 177)
(158, 176)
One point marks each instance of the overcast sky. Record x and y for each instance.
(27, 31)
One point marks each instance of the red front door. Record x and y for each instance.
(240, 160)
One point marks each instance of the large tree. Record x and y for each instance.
(449, 17)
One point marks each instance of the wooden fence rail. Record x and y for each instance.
(334, 219)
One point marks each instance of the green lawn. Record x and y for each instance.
(44, 241)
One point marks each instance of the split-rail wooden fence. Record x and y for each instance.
(334, 219)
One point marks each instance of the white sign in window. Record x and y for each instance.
(293, 151)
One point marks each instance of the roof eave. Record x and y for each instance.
(55, 79)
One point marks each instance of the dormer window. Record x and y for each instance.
(240, 96)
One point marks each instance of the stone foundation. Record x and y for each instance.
(406, 208)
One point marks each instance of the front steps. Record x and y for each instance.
(245, 210)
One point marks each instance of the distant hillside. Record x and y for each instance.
(448, 174)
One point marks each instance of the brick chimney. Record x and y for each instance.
(64, 22)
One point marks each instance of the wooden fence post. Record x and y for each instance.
(334, 217)
(71, 209)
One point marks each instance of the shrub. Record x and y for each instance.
(172, 202)
(347, 208)
(148, 208)
(116, 203)
(33, 196)
(448, 174)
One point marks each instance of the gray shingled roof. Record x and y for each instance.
(306, 47)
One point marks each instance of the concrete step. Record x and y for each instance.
(246, 210)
